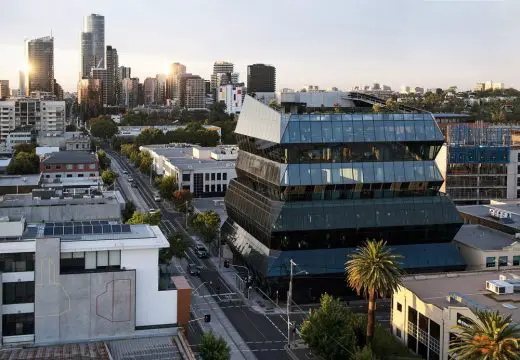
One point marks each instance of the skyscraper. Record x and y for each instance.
(123, 72)
(21, 83)
(192, 91)
(39, 55)
(220, 67)
(130, 92)
(101, 74)
(150, 90)
(174, 76)
(261, 78)
(112, 63)
(4, 89)
(86, 55)
(95, 24)
(160, 95)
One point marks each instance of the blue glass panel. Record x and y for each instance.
(58, 230)
(368, 173)
(357, 117)
(399, 131)
(358, 131)
(305, 174)
(348, 132)
(389, 172)
(107, 229)
(67, 230)
(336, 174)
(326, 131)
(294, 132)
(409, 170)
(97, 229)
(379, 172)
(368, 117)
(125, 228)
(409, 130)
(357, 172)
(336, 117)
(368, 127)
(305, 132)
(292, 175)
(337, 132)
(420, 133)
(418, 167)
(316, 132)
(389, 130)
(347, 176)
(326, 174)
(397, 116)
(408, 116)
(379, 129)
(429, 169)
(325, 117)
(315, 173)
(78, 230)
(429, 128)
(399, 171)
(48, 231)
(346, 117)
(378, 117)
(315, 117)
(87, 229)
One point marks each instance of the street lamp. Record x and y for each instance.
(289, 300)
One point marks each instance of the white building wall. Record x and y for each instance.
(152, 307)
(232, 96)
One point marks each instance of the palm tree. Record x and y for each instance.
(491, 337)
(374, 271)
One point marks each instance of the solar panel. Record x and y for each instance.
(125, 228)
(78, 230)
(103, 222)
(116, 228)
(58, 230)
(67, 230)
(86, 223)
(68, 223)
(94, 222)
(107, 229)
(87, 229)
(97, 229)
(49, 224)
(47, 231)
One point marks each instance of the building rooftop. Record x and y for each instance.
(470, 288)
(448, 115)
(20, 180)
(43, 150)
(483, 212)
(484, 238)
(70, 157)
(184, 159)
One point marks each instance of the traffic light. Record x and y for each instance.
(226, 263)
(207, 318)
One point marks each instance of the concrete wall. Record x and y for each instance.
(152, 307)
(512, 174)
(79, 306)
(476, 259)
(64, 213)
(442, 163)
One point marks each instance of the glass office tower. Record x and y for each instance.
(312, 187)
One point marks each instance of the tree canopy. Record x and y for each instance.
(206, 224)
(24, 163)
(179, 244)
(181, 199)
(104, 160)
(166, 186)
(128, 211)
(214, 348)
(102, 127)
(108, 177)
(145, 218)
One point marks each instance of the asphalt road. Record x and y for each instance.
(265, 334)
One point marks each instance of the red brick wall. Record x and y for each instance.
(54, 168)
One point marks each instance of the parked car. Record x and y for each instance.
(125, 172)
(194, 269)
(156, 197)
(133, 184)
(130, 179)
(201, 251)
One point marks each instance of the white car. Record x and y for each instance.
(156, 198)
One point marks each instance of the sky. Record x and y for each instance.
(341, 43)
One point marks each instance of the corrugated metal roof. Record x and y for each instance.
(70, 157)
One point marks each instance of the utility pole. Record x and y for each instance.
(289, 296)
(219, 254)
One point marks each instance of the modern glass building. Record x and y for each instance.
(312, 187)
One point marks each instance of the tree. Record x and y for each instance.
(376, 108)
(104, 160)
(29, 148)
(274, 105)
(24, 163)
(328, 331)
(102, 127)
(491, 336)
(128, 211)
(181, 198)
(167, 186)
(178, 247)
(497, 112)
(392, 105)
(128, 149)
(206, 224)
(374, 271)
(108, 177)
(145, 218)
(214, 348)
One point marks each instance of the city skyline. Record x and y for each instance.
(403, 43)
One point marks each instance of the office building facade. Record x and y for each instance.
(90, 93)
(86, 54)
(82, 281)
(130, 92)
(261, 78)
(160, 93)
(313, 187)
(220, 67)
(232, 96)
(39, 55)
(173, 88)
(101, 74)
(150, 91)
(95, 24)
(192, 92)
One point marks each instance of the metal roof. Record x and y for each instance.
(483, 238)
(70, 157)
(20, 180)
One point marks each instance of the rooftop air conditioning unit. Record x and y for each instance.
(499, 287)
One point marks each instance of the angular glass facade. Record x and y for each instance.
(313, 187)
